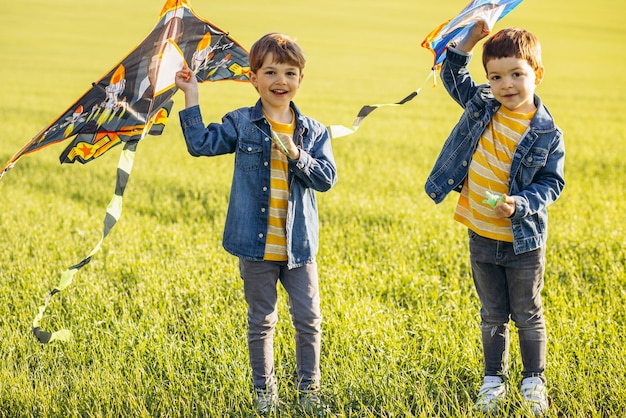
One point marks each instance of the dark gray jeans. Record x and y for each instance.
(509, 287)
(260, 280)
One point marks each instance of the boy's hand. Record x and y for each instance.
(505, 209)
(186, 81)
(286, 145)
(478, 31)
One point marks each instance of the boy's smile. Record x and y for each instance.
(277, 84)
(513, 83)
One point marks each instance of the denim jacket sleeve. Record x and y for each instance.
(537, 175)
(456, 77)
(316, 165)
(214, 139)
(450, 168)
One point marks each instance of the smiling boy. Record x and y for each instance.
(281, 159)
(505, 143)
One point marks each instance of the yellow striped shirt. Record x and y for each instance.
(276, 241)
(489, 171)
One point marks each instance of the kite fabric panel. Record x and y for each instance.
(132, 100)
(437, 41)
(122, 105)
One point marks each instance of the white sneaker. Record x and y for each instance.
(311, 402)
(491, 394)
(266, 400)
(535, 395)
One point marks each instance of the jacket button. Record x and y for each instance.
(476, 114)
(451, 182)
(266, 139)
(249, 149)
(464, 163)
(265, 163)
(260, 235)
(264, 188)
(433, 195)
(262, 210)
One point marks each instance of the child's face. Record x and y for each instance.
(276, 83)
(513, 83)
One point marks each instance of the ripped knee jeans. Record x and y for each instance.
(509, 288)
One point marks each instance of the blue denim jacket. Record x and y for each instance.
(247, 133)
(536, 177)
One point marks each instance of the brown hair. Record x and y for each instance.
(283, 50)
(513, 42)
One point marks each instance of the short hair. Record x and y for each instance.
(513, 42)
(284, 50)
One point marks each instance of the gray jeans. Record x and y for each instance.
(509, 287)
(301, 283)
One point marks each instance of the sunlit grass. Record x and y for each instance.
(158, 316)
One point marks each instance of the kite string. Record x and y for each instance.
(337, 131)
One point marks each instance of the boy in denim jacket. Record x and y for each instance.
(506, 145)
(281, 159)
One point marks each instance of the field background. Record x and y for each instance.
(158, 316)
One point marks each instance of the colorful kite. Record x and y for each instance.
(455, 29)
(437, 41)
(133, 100)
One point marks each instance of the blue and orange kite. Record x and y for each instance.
(437, 41)
(455, 29)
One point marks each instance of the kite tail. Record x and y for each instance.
(113, 214)
(337, 131)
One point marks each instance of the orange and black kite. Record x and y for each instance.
(132, 100)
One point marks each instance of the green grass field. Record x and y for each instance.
(158, 316)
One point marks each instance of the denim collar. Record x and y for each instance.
(257, 112)
(301, 128)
